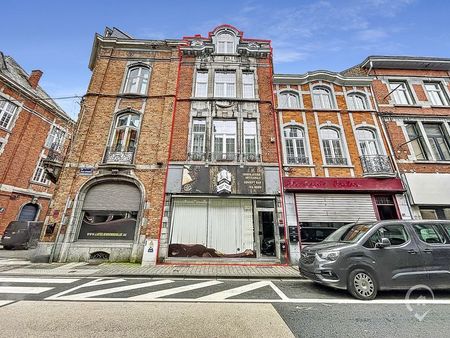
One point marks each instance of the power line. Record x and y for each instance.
(46, 99)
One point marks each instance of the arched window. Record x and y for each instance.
(332, 146)
(225, 43)
(357, 101)
(137, 80)
(322, 98)
(368, 142)
(289, 100)
(124, 140)
(294, 140)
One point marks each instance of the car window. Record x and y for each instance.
(429, 233)
(396, 234)
(447, 228)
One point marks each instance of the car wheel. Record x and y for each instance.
(362, 285)
(7, 247)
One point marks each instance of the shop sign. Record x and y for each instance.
(342, 184)
(107, 226)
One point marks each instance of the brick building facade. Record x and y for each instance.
(32, 128)
(337, 165)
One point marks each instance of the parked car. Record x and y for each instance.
(366, 257)
(21, 234)
(314, 235)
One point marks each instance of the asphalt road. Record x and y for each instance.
(100, 307)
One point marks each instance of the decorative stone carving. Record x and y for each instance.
(197, 43)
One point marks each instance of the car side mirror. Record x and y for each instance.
(384, 243)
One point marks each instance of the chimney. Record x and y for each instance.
(34, 78)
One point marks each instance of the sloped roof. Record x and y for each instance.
(15, 73)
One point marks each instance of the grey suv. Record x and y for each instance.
(366, 257)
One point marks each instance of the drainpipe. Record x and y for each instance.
(52, 253)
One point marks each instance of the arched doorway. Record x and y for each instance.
(110, 211)
(29, 212)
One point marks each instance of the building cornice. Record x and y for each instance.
(406, 62)
(324, 75)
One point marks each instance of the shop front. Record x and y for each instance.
(315, 207)
(429, 195)
(224, 213)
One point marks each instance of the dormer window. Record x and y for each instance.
(225, 43)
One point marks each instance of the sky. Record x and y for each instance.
(57, 36)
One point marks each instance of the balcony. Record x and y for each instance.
(251, 157)
(53, 163)
(377, 165)
(197, 156)
(335, 160)
(119, 157)
(297, 160)
(225, 157)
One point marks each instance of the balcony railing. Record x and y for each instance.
(251, 157)
(197, 156)
(297, 160)
(55, 155)
(335, 160)
(376, 165)
(225, 157)
(119, 157)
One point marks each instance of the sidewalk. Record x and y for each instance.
(23, 267)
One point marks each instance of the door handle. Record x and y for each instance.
(427, 250)
(412, 252)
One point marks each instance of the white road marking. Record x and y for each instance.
(70, 266)
(23, 289)
(37, 280)
(14, 262)
(5, 302)
(236, 291)
(96, 282)
(167, 292)
(83, 296)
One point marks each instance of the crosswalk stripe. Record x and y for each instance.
(236, 291)
(23, 289)
(114, 290)
(14, 262)
(37, 280)
(168, 292)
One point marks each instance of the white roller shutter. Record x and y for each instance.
(189, 221)
(335, 208)
(111, 196)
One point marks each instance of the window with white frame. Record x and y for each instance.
(225, 43)
(225, 84)
(368, 143)
(289, 100)
(357, 101)
(250, 140)
(7, 112)
(416, 141)
(55, 139)
(429, 140)
(201, 84)
(400, 92)
(322, 98)
(438, 140)
(198, 139)
(295, 145)
(137, 80)
(2, 144)
(125, 134)
(332, 146)
(248, 85)
(40, 175)
(224, 140)
(436, 93)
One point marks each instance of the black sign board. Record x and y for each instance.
(107, 227)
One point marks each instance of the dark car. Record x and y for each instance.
(21, 234)
(314, 235)
(366, 257)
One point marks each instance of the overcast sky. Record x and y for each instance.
(56, 36)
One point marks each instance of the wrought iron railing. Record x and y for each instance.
(251, 157)
(376, 164)
(335, 160)
(55, 155)
(297, 160)
(197, 156)
(225, 157)
(117, 156)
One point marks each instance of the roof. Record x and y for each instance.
(338, 78)
(406, 62)
(16, 74)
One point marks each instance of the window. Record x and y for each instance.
(137, 80)
(357, 101)
(428, 214)
(224, 140)
(55, 139)
(294, 140)
(396, 234)
(438, 141)
(125, 133)
(367, 141)
(2, 143)
(201, 84)
(250, 140)
(40, 175)
(435, 93)
(225, 84)
(429, 233)
(289, 100)
(7, 111)
(248, 85)
(332, 146)
(400, 93)
(416, 141)
(225, 43)
(322, 98)
(198, 139)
